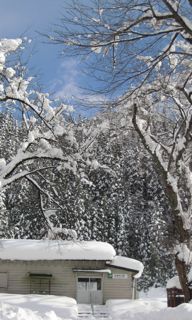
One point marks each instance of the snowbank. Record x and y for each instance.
(22, 249)
(37, 307)
(128, 263)
(159, 293)
(8, 312)
(147, 310)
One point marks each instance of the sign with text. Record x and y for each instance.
(120, 276)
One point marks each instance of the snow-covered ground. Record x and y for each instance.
(150, 306)
(153, 293)
(147, 310)
(37, 307)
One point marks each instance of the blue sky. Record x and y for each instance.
(25, 18)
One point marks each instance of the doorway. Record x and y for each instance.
(89, 290)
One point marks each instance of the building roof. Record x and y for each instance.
(32, 250)
(26, 250)
(128, 264)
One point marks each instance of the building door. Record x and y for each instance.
(89, 290)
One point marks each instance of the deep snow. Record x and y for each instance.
(37, 307)
(25, 249)
(147, 310)
(150, 306)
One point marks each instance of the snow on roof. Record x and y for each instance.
(17, 249)
(128, 263)
(173, 283)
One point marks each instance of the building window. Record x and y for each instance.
(3, 280)
(89, 284)
(40, 283)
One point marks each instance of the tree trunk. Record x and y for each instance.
(182, 272)
(180, 234)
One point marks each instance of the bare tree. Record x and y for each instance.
(140, 52)
(124, 42)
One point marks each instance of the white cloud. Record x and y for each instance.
(66, 86)
(67, 83)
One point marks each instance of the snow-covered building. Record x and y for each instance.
(88, 271)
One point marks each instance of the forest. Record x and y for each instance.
(116, 198)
